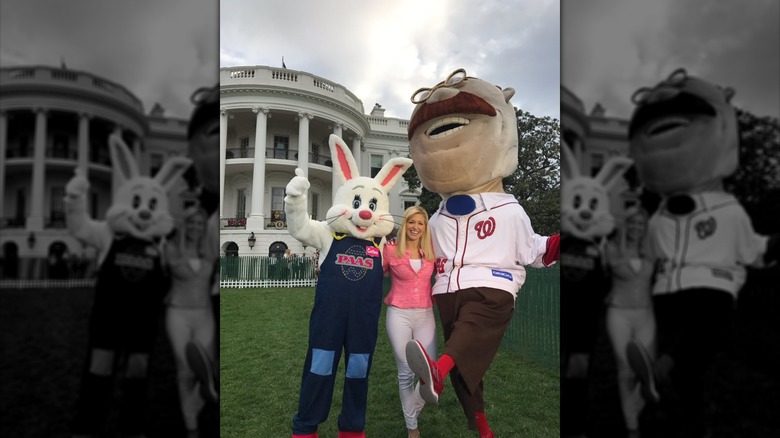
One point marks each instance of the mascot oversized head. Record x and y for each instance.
(683, 135)
(463, 135)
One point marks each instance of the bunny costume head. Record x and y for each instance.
(140, 205)
(585, 209)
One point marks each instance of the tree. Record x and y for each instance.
(756, 183)
(536, 183)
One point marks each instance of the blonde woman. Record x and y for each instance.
(630, 320)
(409, 263)
(189, 317)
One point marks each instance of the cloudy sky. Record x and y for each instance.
(612, 47)
(159, 50)
(384, 50)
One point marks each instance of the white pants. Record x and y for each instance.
(623, 325)
(183, 325)
(403, 325)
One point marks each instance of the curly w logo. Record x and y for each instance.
(706, 228)
(485, 228)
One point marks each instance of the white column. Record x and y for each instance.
(115, 176)
(356, 152)
(334, 182)
(83, 145)
(223, 127)
(303, 142)
(256, 219)
(3, 149)
(35, 220)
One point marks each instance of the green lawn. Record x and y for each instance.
(263, 344)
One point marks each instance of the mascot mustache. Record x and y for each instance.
(461, 103)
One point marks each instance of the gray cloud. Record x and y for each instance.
(612, 47)
(161, 51)
(383, 53)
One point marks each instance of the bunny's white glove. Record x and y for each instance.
(297, 188)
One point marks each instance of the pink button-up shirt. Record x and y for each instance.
(409, 289)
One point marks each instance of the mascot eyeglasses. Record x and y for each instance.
(672, 84)
(453, 79)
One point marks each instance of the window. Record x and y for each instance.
(155, 162)
(60, 148)
(277, 198)
(596, 163)
(376, 164)
(57, 207)
(21, 204)
(244, 147)
(240, 203)
(408, 204)
(93, 206)
(315, 205)
(315, 154)
(281, 146)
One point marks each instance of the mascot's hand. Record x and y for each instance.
(78, 186)
(553, 252)
(297, 187)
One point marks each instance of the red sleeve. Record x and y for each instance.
(553, 252)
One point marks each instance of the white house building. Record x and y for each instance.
(53, 120)
(595, 138)
(274, 120)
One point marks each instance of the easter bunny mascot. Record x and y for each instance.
(464, 141)
(348, 297)
(586, 220)
(684, 141)
(130, 287)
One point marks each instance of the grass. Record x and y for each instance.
(43, 333)
(263, 343)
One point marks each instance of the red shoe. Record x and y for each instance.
(344, 434)
(311, 435)
(426, 370)
(489, 434)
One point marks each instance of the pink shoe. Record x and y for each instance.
(345, 434)
(432, 384)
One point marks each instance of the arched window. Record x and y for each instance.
(277, 249)
(231, 250)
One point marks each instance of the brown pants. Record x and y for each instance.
(474, 321)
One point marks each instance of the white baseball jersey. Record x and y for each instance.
(707, 248)
(488, 247)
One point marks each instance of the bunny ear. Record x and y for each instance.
(343, 162)
(121, 157)
(570, 169)
(171, 171)
(392, 171)
(613, 170)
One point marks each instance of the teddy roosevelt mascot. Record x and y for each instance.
(684, 142)
(463, 141)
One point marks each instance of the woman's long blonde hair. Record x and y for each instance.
(181, 237)
(643, 244)
(425, 238)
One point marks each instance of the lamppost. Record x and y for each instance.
(251, 240)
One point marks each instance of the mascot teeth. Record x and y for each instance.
(446, 126)
(667, 125)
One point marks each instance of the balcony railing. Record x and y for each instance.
(239, 153)
(13, 222)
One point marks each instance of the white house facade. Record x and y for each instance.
(52, 121)
(274, 120)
